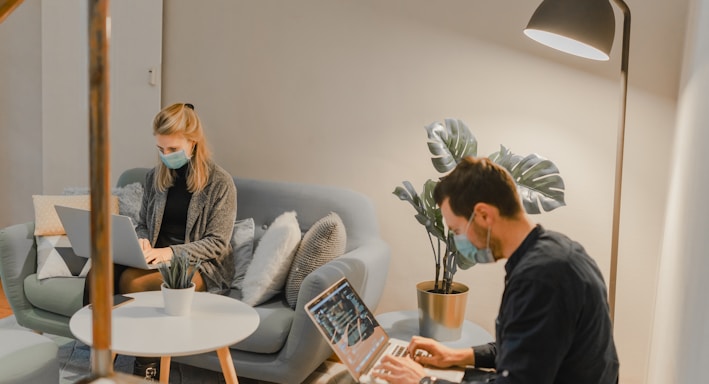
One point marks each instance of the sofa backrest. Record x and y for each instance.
(264, 200)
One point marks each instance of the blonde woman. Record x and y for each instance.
(189, 206)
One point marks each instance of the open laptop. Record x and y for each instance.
(125, 247)
(355, 335)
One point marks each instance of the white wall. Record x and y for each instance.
(680, 343)
(20, 113)
(334, 92)
(135, 47)
(44, 97)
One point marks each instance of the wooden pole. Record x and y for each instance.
(6, 8)
(99, 153)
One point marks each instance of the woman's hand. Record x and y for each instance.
(155, 255)
(399, 370)
(440, 355)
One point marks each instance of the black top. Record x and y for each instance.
(174, 220)
(554, 323)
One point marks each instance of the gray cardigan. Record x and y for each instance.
(210, 222)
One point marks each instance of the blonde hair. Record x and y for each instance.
(181, 119)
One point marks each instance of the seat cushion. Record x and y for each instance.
(26, 357)
(60, 295)
(275, 320)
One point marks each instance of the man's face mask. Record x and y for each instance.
(469, 254)
(174, 160)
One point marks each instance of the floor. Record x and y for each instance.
(5, 309)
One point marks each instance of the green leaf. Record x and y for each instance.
(449, 144)
(538, 180)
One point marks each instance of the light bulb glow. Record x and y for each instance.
(566, 44)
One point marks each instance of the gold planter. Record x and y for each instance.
(441, 316)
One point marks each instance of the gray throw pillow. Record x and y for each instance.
(242, 244)
(324, 241)
(130, 197)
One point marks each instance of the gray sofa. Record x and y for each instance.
(286, 347)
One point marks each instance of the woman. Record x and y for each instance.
(189, 205)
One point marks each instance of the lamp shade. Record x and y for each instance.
(580, 27)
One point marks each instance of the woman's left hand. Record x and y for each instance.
(157, 255)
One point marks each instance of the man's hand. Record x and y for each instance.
(155, 255)
(440, 356)
(399, 370)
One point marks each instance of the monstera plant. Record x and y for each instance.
(539, 184)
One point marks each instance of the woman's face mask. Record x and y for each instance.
(175, 151)
(174, 160)
(469, 254)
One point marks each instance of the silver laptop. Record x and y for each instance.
(355, 335)
(125, 247)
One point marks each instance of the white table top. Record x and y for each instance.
(142, 328)
(405, 324)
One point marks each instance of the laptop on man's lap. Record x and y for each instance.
(125, 246)
(355, 335)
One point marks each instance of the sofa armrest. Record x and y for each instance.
(18, 256)
(366, 268)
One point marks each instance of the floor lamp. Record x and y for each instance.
(586, 28)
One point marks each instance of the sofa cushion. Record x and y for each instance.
(242, 249)
(275, 320)
(60, 295)
(56, 258)
(46, 220)
(273, 256)
(324, 241)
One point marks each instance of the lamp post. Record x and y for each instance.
(586, 28)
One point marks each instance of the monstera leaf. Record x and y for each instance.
(449, 144)
(538, 180)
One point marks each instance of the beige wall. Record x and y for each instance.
(20, 113)
(335, 92)
(680, 341)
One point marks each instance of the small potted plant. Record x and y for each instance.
(177, 286)
(540, 187)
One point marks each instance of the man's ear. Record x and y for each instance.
(488, 213)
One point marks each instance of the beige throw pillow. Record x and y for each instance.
(46, 220)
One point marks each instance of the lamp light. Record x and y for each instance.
(586, 28)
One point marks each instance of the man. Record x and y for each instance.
(553, 325)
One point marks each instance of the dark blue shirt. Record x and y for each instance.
(554, 323)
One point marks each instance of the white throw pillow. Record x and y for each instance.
(266, 275)
(55, 258)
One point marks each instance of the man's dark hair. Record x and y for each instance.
(478, 180)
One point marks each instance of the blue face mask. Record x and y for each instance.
(469, 254)
(174, 160)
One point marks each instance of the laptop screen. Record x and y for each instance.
(348, 325)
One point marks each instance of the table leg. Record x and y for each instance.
(165, 369)
(227, 365)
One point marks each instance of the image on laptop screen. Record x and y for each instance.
(349, 326)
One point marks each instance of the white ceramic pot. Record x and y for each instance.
(178, 302)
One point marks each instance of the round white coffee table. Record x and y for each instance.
(142, 328)
(405, 324)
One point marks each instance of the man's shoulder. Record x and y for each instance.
(551, 255)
